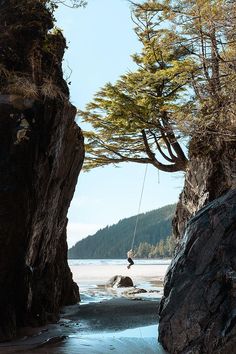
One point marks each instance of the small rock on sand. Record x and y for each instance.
(134, 291)
(119, 281)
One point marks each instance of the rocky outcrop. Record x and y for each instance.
(120, 281)
(134, 291)
(210, 173)
(197, 312)
(41, 154)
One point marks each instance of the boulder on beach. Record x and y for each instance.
(120, 281)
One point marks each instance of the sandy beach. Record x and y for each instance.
(107, 319)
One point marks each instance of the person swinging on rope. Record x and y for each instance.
(130, 255)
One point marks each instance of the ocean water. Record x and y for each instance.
(75, 262)
(92, 275)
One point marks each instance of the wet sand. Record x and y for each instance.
(106, 321)
(115, 315)
(116, 324)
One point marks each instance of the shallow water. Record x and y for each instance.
(140, 340)
(77, 336)
(92, 274)
(147, 274)
(140, 332)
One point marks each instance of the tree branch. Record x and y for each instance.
(167, 158)
(173, 141)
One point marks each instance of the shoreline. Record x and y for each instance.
(88, 325)
(115, 314)
(106, 319)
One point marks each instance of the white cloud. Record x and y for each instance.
(78, 231)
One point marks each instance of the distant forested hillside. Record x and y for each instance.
(114, 241)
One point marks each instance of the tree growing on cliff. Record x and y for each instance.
(207, 29)
(133, 120)
(183, 84)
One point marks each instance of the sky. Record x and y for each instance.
(100, 41)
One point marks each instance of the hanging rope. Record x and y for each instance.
(139, 207)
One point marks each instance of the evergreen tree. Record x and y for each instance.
(164, 248)
(133, 119)
(184, 82)
(206, 31)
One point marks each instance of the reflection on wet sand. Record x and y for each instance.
(107, 320)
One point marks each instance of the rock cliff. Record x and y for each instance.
(41, 154)
(197, 312)
(210, 173)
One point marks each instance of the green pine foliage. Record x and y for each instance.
(132, 120)
(183, 85)
(114, 241)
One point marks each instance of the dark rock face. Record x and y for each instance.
(41, 154)
(197, 312)
(119, 281)
(210, 173)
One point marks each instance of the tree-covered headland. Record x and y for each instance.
(152, 239)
